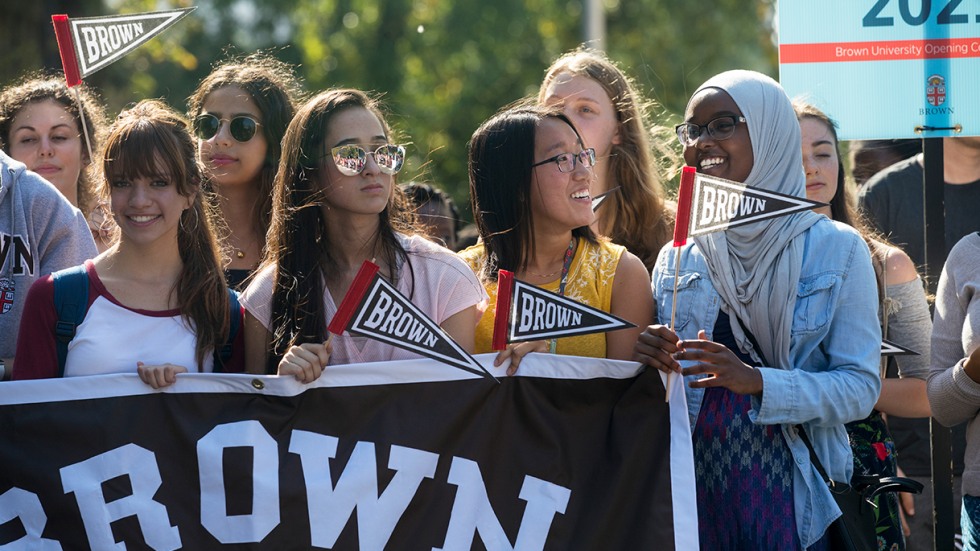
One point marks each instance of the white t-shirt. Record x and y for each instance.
(112, 338)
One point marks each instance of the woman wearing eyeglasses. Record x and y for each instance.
(336, 205)
(240, 113)
(776, 329)
(531, 184)
(612, 117)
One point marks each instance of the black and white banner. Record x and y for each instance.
(889, 348)
(573, 453)
(99, 41)
(374, 308)
(386, 315)
(540, 314)
(719, 204)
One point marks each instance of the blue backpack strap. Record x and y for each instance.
(71, 305)
(223, 353)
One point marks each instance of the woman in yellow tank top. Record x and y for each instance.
(530, 186)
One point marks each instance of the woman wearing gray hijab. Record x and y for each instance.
(776, 327)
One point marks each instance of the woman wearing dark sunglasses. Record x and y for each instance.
(531, 184)
(240, 112)
(336, 205)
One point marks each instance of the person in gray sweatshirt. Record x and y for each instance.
(40, 232)
(954, 373)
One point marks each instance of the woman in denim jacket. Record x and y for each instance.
(776, 326)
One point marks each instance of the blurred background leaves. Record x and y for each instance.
(442, 66)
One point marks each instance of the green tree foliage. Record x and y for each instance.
(442, 66)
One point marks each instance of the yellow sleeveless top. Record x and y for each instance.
(590, 280)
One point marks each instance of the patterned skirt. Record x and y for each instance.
(744, 477)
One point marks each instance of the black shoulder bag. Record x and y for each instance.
(854, 530)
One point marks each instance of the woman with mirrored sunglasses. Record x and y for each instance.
(240, 112)
(531, 181)
(769, 339)
(336, 205)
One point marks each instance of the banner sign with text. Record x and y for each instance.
(526, 312)
(88, 44)
(885, 69)
(573, 453)
(719, 204)
(374, 308)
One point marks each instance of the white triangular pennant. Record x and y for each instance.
(539, 314)
(100, 41)
(386, 315)
(598, 200)
(720, 204)
(889, 348)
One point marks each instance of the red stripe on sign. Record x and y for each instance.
(353, 298)
(67, 50)
(501, 318)
(682, 221)
(893, 50)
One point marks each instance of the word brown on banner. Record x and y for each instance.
(398, 455)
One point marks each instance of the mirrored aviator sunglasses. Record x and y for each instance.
(351, 159)
(242, 128)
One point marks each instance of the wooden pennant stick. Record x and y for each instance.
(81, 116)
(682, 224)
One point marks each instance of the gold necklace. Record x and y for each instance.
(565, 258)
(240, 253)
(552, 274)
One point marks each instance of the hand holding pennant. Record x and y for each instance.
(707, 204)
(373, 308)
(526, 312)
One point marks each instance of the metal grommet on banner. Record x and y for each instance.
(258, 384)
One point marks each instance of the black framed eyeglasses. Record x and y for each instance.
(351, 159)
(242, 128)
(566, 161)
(721, 128)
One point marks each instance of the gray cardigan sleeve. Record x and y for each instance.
(910, 326)
(953, 395)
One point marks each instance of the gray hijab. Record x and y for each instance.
(756, 267)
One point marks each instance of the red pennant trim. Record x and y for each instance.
(353, 298)
(682, 222)
(501, 319)
(73, 76)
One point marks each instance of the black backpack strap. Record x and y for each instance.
(222, 354)
(71, 305)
